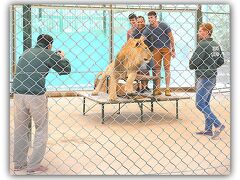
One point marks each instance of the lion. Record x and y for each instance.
(130, 57)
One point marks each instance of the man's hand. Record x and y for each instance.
(173, 54)
(172, 44)
(60, 53)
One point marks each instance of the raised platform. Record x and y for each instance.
(140, 99)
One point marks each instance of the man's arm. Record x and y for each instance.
(146, 32)
(142, 38)
(220, 60)
(172, 44)
(60, 64)
(128, 36)
(135, 34)
(197, 57)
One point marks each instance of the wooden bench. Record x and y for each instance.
(102, 99)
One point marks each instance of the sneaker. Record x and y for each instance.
(39, 169)
(147, 88)
(138, 89)
(157, 91)
(205, 133)
(19, 168)
(167, 92)
(143, 90)
(217, 133)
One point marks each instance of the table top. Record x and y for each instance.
(102, 98)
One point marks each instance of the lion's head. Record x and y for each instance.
(133, 54)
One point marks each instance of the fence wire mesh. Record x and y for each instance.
(136, 134)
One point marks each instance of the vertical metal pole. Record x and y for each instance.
(27, 27)
(111, 26)
(61, 21)
(13, 39)
(104, 21)
(160, 13)
(27, 43)
(199, 19)
(40, 19)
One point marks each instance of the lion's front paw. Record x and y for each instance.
(94, 93)
(112, 98)
(131, 93)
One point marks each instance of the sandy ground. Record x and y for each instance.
(161, 145)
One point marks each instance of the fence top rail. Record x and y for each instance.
(143, 7)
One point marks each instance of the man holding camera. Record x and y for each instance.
(30, 101)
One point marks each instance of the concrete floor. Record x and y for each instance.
(162, 145)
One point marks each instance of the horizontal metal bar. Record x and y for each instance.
(108, 7)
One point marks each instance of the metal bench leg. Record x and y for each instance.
(176, 109)
(84, 103)
(107, 84)
(141, 109)
(152, 106)
(102, 113)
(119, 107)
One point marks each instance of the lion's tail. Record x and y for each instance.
(97, 79)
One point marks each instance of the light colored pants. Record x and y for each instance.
(27, 107)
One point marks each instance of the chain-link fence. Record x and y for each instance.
(137, 134)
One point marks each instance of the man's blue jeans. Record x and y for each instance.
(204, 87)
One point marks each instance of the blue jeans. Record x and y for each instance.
(204, 87)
